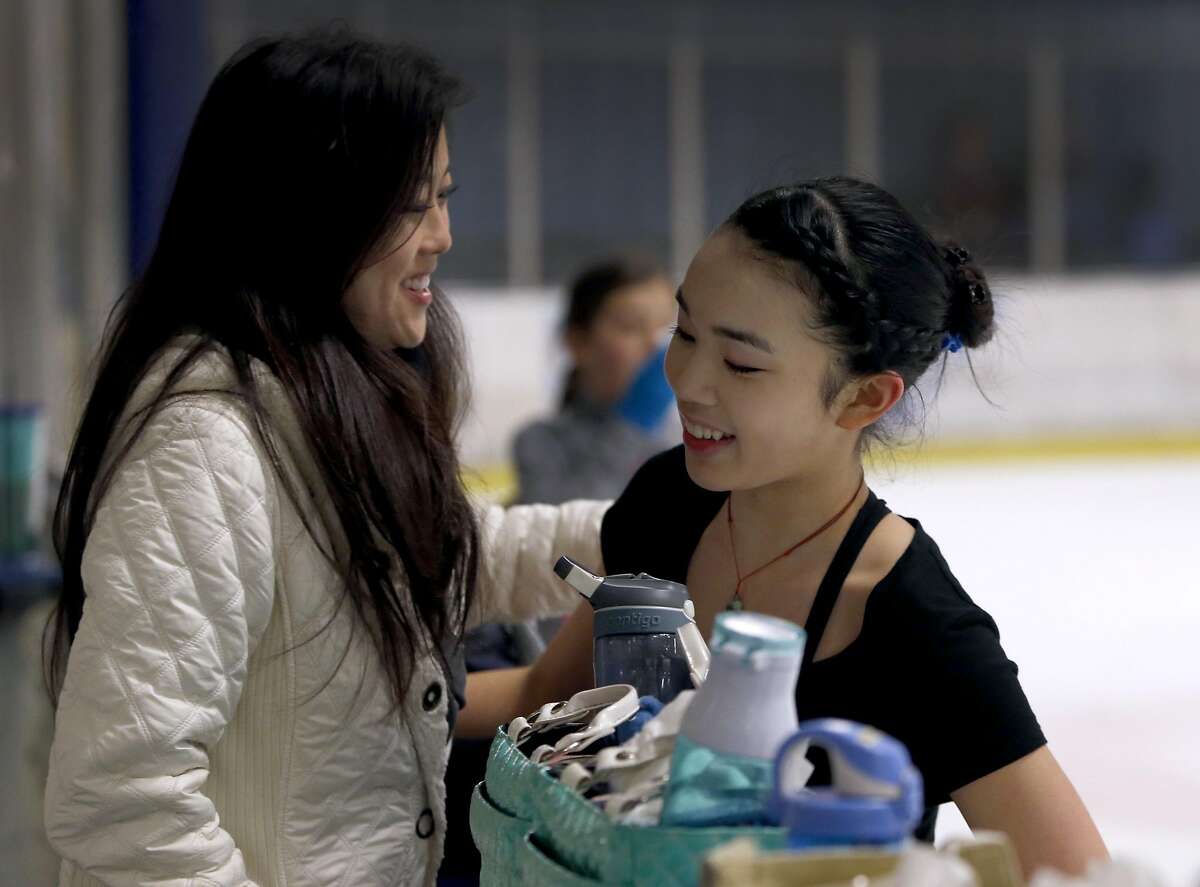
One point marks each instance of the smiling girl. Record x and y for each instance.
(803, 321)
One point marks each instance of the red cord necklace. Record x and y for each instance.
(736, 603)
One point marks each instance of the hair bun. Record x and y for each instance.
(971, 314)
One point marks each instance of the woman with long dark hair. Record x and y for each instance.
(268, 554)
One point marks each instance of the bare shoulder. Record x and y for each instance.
(883, 550)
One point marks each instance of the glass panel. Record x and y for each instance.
(765, 125)
(604, 162)
(1132, 184)
(955, 152)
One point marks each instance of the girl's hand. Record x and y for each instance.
(565, 668)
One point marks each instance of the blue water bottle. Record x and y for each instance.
(875, 798)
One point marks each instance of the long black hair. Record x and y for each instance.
(306, 160)
(888, 295)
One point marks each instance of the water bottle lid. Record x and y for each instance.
(752, 635)
(876, 796)
(626, 590)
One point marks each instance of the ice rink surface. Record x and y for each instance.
(1090, 570)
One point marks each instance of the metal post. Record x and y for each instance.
(11, 285)
(1047, 181)
(42, 322)
(863, 155)
(103, 156)
(686, 147)
(524, 158)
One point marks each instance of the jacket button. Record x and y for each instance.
(425, 824)
(433, 695)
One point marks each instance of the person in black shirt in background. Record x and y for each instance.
(803, 321)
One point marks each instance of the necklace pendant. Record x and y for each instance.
(734, 606)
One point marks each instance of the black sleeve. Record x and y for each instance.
(656, 523)
(623, 533)
(969, 716)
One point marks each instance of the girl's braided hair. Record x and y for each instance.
(887, 295)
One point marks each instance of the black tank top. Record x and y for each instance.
(926, 668)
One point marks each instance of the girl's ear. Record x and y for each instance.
(865, 401)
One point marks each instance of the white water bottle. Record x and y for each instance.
(723, 768)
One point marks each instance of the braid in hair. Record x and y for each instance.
(807, 224)
(887, 297)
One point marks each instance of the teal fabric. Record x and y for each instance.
(538, 869)
(711, 788)
(572, 827)
(511, 778)
(575, 842)
(499, 837)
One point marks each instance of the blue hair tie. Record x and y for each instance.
(952, 343)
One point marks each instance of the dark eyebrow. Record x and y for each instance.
(744, 336)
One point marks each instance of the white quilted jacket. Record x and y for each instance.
(206, 734)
